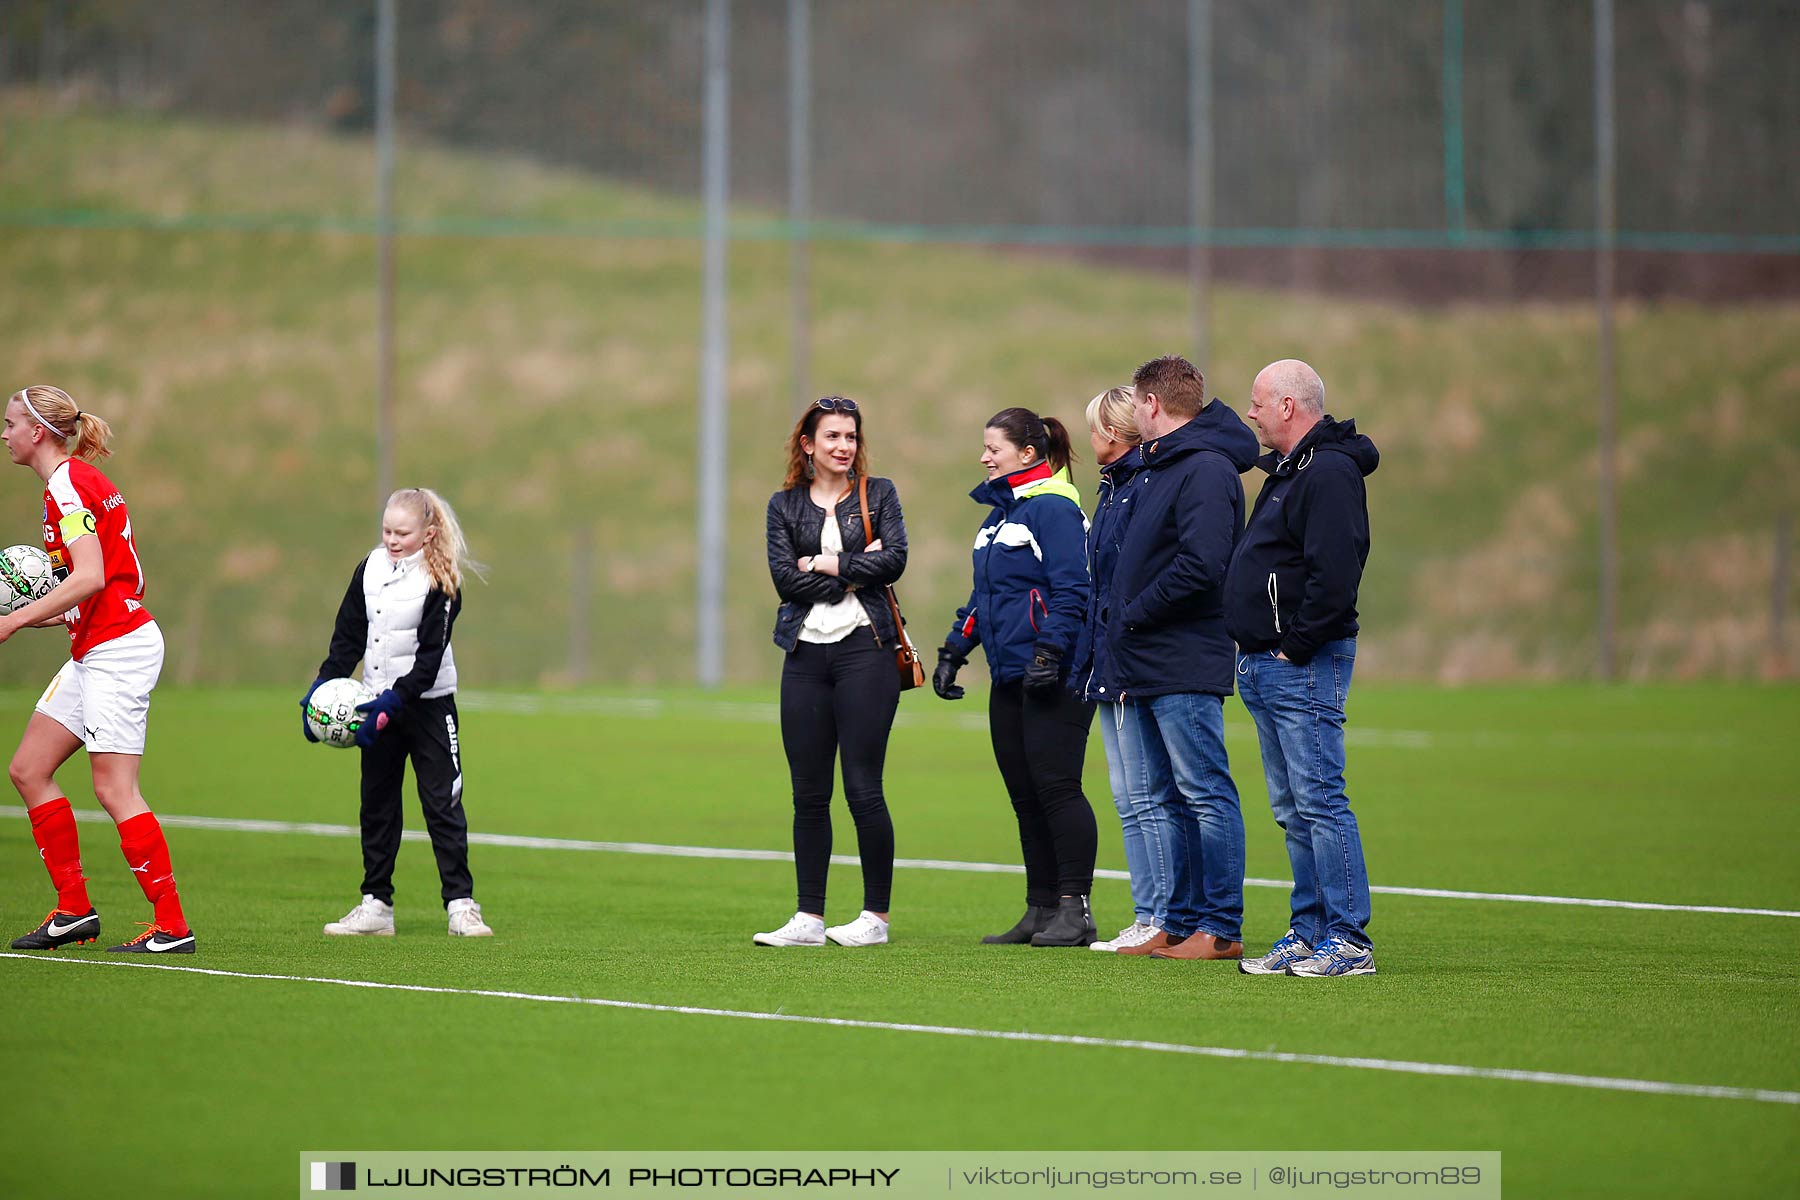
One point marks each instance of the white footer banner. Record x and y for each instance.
(976, 1175)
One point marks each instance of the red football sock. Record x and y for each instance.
(147, 854)
(53, 828)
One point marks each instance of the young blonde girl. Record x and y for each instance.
(397, 616)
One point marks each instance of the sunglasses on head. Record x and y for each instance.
(835, 404)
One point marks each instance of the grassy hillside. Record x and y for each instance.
(211, 292)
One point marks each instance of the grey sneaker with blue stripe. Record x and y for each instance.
(1292, 948)
(1335, 956)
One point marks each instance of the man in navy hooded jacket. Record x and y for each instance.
(1290, 600)
(1172, 655)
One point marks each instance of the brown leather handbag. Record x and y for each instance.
(906, 658)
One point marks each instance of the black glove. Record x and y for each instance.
(304, 701)
(943, 680)
(1045, 672)
(376, 715)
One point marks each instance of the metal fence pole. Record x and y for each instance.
(709, 612)
(386, 39)
(50, 59)
(1778, 591)
(800, 194)
(581, 594)
(1200, 177)
(1606, 220)
(1455, 201)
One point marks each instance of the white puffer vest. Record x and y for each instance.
(394, 598)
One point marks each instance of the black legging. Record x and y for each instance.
(839, 696)
(1039, 744)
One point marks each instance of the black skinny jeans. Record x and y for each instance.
(1039, 745)
(837, 698)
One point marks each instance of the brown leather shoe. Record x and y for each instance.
(1156, 942)
(1201, 945)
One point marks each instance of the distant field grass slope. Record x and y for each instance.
(210, 290)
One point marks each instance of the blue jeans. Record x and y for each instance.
(1140, 818)
(1182, 739)
(1299, 714)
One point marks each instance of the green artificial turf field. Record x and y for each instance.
(208, 1084)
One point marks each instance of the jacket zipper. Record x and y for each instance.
(1274, 607)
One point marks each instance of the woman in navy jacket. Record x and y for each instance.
(1026, 609)
(1113, 434)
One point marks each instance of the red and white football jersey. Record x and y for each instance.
(81, 502)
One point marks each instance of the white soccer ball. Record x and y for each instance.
(331, 713)
(24, 576)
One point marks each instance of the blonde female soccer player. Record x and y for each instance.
(101, 697)
(396, 617)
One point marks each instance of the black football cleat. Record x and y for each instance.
(61, 928)
(156, 940)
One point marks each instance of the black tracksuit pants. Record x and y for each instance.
(838, 700)
(425, 731)
(1040, 743)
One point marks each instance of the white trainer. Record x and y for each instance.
(801, 930)
(370, 918)
(465, 919)
(1134, 934)
(866, 930)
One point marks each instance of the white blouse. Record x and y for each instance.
(827, 623)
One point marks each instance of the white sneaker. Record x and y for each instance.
(801, 930)
(371, 917)
(465, 919)
(1134, 934)
(866, 930)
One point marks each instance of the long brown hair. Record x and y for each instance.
(82, 434)
(799, 467)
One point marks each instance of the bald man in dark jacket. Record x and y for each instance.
(1290, 603)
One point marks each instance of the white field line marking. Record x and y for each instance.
(249, 825)
(1601, 1082)
(765, 713)
(760, 712)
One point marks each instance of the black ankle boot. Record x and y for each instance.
(1073, 925)
(1036, 917)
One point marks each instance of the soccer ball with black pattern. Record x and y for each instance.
(24, 576)
(331, 713)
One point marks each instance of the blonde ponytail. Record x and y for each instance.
(82, 434)
(1112, 412)
(447, 552)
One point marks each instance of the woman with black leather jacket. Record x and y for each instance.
(839, 684)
